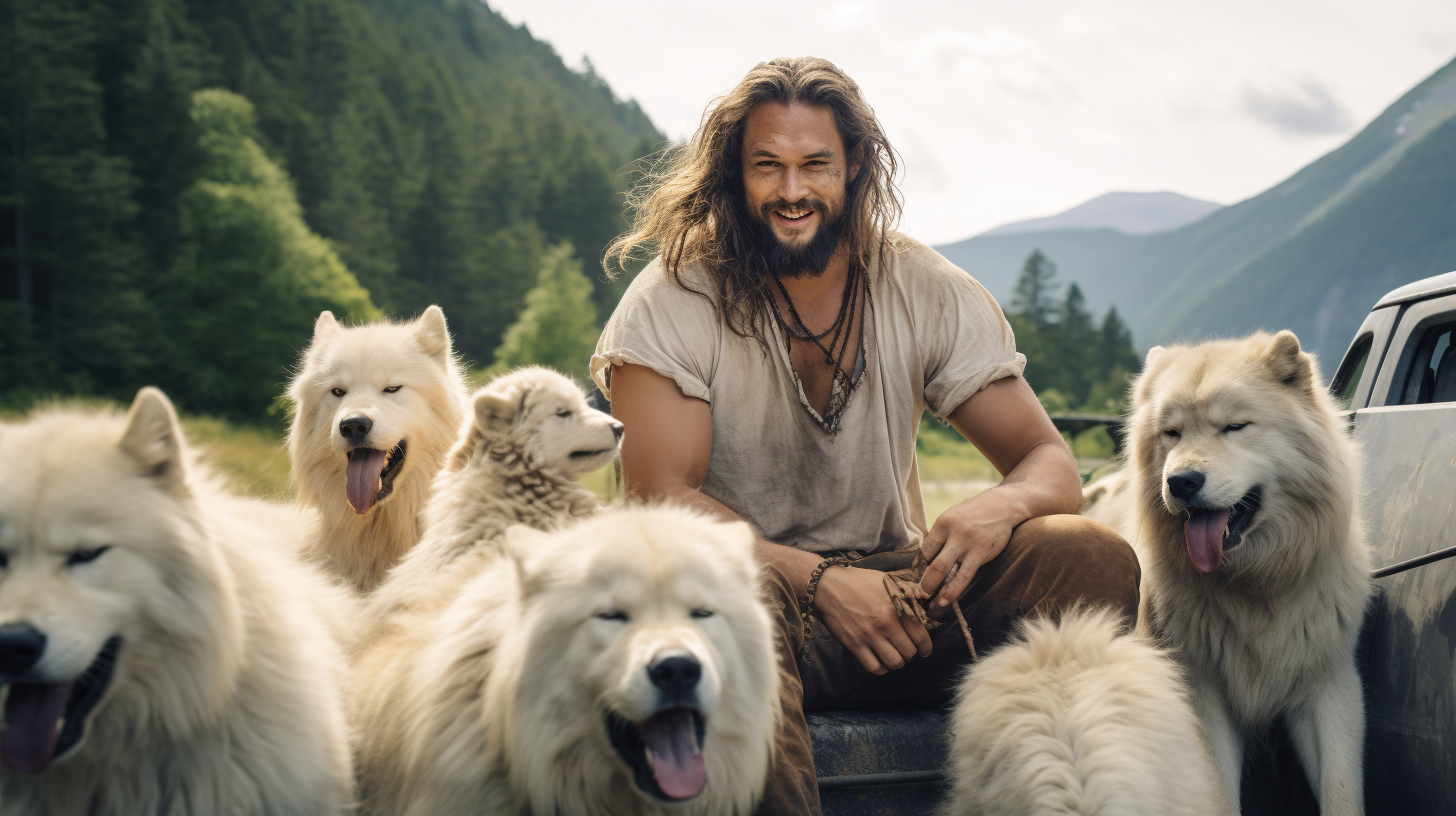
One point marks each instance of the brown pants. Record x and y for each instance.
(1049, 564)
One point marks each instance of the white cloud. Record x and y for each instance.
(1005, 111)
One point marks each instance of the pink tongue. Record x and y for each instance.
(1204, 531)
(31, 713)
(677, 764)
(363, 471)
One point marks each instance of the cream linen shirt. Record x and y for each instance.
(933, 337)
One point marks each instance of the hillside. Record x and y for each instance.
(429, 149)
(1132, 213)
(1311, 254)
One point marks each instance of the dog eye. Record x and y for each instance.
(85, 556)
(4, 560)
(338, 392)
(563, 413)
(614, 615)
(1172, 433)
(393, 388)
(1235, 426)
(702, 613)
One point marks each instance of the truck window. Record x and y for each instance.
(1347, 379)
(1432, 376)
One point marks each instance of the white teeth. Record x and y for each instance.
(650, 755)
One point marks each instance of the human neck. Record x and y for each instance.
(812, 290)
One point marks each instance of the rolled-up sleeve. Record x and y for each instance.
(663, 326)
(966, 341)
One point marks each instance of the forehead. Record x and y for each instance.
(1207, 389)
(792, 129)
(371, 351)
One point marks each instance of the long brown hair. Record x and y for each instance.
(690, 207)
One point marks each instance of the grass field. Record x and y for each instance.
(254, 461)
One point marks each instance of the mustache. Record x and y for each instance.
(806, 203)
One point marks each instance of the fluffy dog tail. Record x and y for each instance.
(1076, 718)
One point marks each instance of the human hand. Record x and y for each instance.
(971, 533)
(854, 605)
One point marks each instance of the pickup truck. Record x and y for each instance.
(1398, 383)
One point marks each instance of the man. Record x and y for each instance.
(773, 363)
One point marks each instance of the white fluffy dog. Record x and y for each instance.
(376, 408)
(1244, 496)
(622, 666)
(164, 652)
(1076, 720)
(530, 435)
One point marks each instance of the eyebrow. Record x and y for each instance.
(826, 153)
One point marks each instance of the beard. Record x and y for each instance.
(805, 260)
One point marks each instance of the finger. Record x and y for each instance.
(888, 654)
(956, 585)
(939, 568)
(868, 660)
(901, 641)
(934, 540)
(918, 634)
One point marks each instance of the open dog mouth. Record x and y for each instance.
(587, 454)
(45, 721)
(665, 752)
(370, 475)
(1209, 531)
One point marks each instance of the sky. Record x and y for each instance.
(1011, 110)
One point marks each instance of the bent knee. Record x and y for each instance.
(1100, 567)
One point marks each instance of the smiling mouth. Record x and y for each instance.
(369, 476)
(1210, 531)
(794, 216)
(46, 721)
(665, 752)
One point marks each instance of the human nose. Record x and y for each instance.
(791, 186)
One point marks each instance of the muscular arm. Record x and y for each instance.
(665, 450)
(1007, 423)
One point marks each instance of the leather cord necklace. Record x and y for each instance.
(839, 329)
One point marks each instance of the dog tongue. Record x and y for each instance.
(1204, 531)
(365, 465)
(677, 764)
(32, 712)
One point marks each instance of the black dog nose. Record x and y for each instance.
(355, 428)
(675, 672)
(1186, 484)
(617, 431)
(21, 646)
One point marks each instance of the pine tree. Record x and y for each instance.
(558, 327)
(1035, 292)
(250, 277)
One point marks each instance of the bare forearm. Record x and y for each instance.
(1044, 483)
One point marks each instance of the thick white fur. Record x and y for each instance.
(427, 412)
(1271, 633)
(491, 700)
(1076, 720)
(528, 437)
(226, 695)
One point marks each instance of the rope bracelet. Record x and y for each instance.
(806, 601)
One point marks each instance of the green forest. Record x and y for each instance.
(1073, 362)
(188, 182)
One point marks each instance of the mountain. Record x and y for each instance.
(1132, 213)
(1311, 254)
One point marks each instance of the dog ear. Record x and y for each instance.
(1288, 363)
(1155, 361)
(154, 438)
(495, 411)
(325, 325)
(432, 333)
